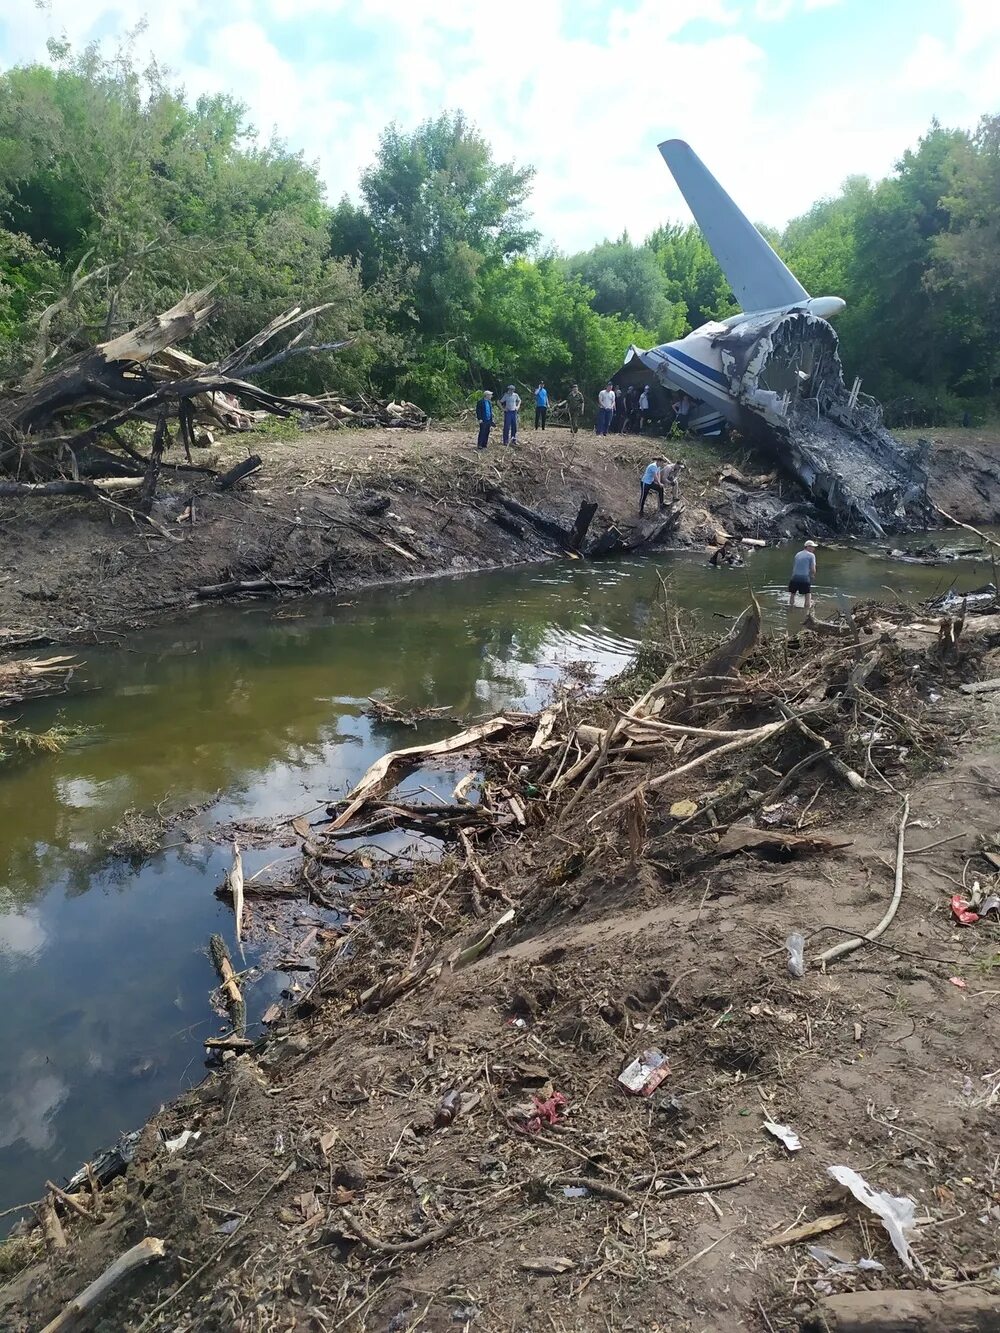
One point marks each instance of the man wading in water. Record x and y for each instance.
(803, 576)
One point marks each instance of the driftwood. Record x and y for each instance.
(230, 987)
(772, 842)
(379, 776)
(234, 880)
(905, 1312)
(145, 1252)
(248, 588)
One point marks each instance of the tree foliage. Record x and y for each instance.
(117, 194)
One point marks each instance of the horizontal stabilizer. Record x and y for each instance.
(760, 281)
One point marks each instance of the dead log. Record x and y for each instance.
(509, 524)
(541, 522)
(234, 1000)
(711, 675)
(581, 525)
(110, 372)
(237, 473)
(379, 776)
(140, 1254)
(905, 1312)
(248, 587)
(772, 842)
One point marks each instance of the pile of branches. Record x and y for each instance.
(364, 410)
(724, 754)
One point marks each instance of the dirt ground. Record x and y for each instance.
(76, 569)
(396, 1155)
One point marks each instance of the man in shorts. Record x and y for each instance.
(803, 576)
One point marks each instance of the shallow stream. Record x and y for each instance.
(255, 712)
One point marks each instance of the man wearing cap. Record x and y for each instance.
(484, 415)
(511, 404)
(803, 575)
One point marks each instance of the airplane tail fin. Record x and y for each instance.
(760, 281)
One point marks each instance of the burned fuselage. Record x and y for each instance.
(777, 377)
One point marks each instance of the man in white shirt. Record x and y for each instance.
(605, 409)
(643, 407)
(511, 404)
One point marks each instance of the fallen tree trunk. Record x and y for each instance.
(379, 776)
(906, 1312)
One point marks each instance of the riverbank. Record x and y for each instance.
(378, 1162)
(332, 511)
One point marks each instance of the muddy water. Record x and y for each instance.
(257, 712)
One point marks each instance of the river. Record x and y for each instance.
(256, 712)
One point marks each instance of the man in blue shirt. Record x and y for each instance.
(651, 482)
(541, 405)
(484, 415)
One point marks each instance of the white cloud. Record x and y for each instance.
(581, 89)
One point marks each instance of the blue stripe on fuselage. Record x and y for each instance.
(708, 371)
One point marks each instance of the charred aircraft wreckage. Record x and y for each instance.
(774, 373)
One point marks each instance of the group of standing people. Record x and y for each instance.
(510, 402)
(618, 411)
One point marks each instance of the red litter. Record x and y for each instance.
(961, 910)
(544, 1111)
(957, 981)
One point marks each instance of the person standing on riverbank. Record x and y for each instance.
(511, 404)
(803, 576)
(575, 404)
(605, 409)
(643, 407)
(541, 405)
(651, 482)
(484, 415)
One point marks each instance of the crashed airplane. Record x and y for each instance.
(774, 373)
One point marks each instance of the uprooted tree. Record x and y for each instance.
(67, 426)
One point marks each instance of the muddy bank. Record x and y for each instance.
(329, 511)
(437, 1132)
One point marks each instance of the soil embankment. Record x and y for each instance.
(334, 510)
(436, 1136)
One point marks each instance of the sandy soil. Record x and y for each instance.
(360, 1205)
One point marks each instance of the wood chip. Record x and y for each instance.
(548, 1264)
(805, 1232)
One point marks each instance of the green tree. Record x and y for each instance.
(626, 280)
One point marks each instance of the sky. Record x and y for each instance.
(781, 98)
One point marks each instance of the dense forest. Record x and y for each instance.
(117, 194)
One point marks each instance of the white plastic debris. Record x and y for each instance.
(833, 1263)
(182, 1140)
(796, 945)
(896, 1214)
(785, 1133)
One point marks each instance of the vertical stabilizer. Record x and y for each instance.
(760, 281)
